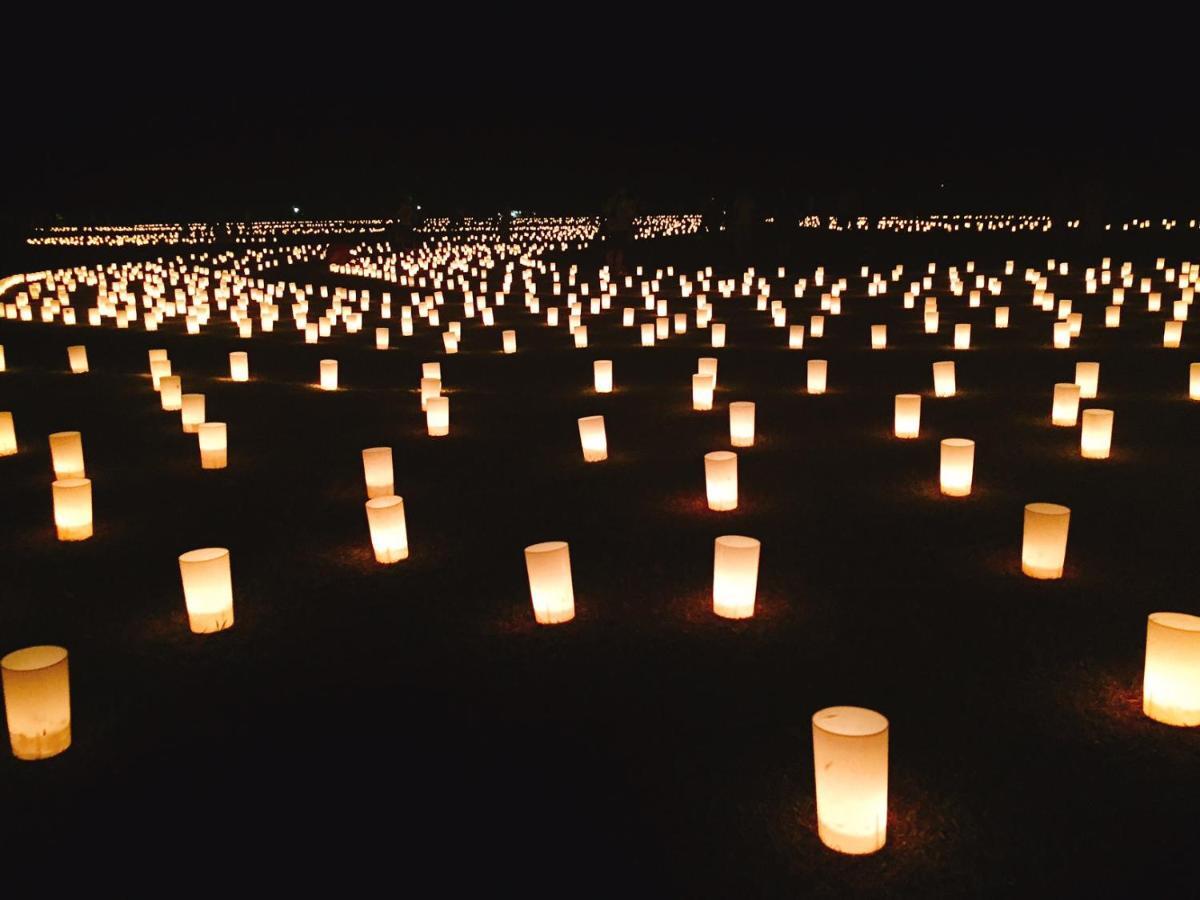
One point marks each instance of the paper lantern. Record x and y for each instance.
(8, 434)
(1044, 544)
(1112, 317)
(943, 379)
(741, 423)
(171, 393)
(962, 336)
(549, 567)
(602, 376)
(77, 357)
(1171, 683)
(718, 334)
(1193, 385)
(431, 370)
(66, 454)
(430, 387)
(931, 321)
(1062, 335)
(735, 576)
(796, 337)
(377, 471)
(192, 412)
(213, 445)
(3, 362)
(908, 415)
(509, 338)
(818, 370)
(958, 466)
(329, 374)
(1172, 333)
(1065, 411)
(382, 338)
(73, 508)
(1096, 435)
(720, 476)
(389, 532)
(1087, 376)
(159, 369)
(878, 337)
(37, 701)
(702, 392)
(647, 334)
(593, 439)
(437, 416)
(239, 365)
(1001, 316)
(207, 589)
(850, 762)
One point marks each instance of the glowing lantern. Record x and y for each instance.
(382, 338)
(171, 393)
(1044, 544)
(389, 532)
(735, 576)
(816, 326)
(741, 423)
(159, 369)
(908, 415)
(1171, 684)
(647, 334)
(1001, 316)
(593, 438)
(437, 416)
(192, 412)
(430, 388)
(431, 370)
(720, 474)
(207, 589)
(1172, 333)
(1193, 386)
(549, 568)
(958, 466)
(718, 334)
(73, 508)
(818, 370)
(931, 321)
(602, 376)
(377, 471)
(850, 762)
(1087, 376)
(8, 435)
(1096, 435)
(37, 701)
(509, 337)
(878, 337)
(77, 357)
(943, 379)
(1062, 335)
(213, 445)
(239, 365)
(66, 454)
(702, 392)
(1066, 405)
(1112, 317)
(329, 374)
(962, 336)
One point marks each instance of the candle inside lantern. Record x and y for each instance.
(239, 365)
(207, 589)
(908, 415)
(37, 701)
(73, 508)
(943, 379)
(192, 412)
(549, 567)
(389, 532)
(213, 445)
(735, 576)
(1065, 412)
(66, 454)
(720, 475)
(329, 374)
(437, 416)
(77, 357)
(741, 423)
(602, 376)
(702, 392)
(593, 438)
(1171, 682)
(377, 471)
(8, 434)
(171, 393)
(1044, 543)
(1096, 435)
(958, 466)
(850, 762)
(818, 370)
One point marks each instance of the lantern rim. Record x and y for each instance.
(385, 502)
(546, 547)
(856, 721)
(203, 554)
(32, 659)
(1176, 621)
(70, 482)
(1048, 509)
(738, 541)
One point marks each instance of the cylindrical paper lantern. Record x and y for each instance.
(430, 387)
(213, 445)
(192, 412)
(239, 365)
(1193, 382)
(1001, 316)
(431, 370)
(720, 476)
(908, 415)
(593, 438)
(1171, 684)
(37, 701)
(329, 374)
(1172, 333)
(943, 379)
(958, 466)
(796, 337)
(602, 376)
(1112, 317)
(962, 336)
(171, 393)
(878, 337)
(850, 761)
(1096, 435)
(1087, 376)
(73, 508)
(702, 392)
(1044, 544)
(549, 568)
(389, 532)
(510, 340)
(66, 454)
(707, 365)
(741, 423)
(8, 434)
(377, 471)
(437, 416)
(159, 369)
(1062, 335)
(382, 338)
(207, 589)
(77, 357)
(1065, 412)
(718, 334)
(735, 576)
(818, 370)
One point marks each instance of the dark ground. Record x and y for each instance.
(410, 726)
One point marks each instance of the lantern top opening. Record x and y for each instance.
(546, 547)
(1176, 621)
(1048, 509)
(204, 554)
(738, 541)
(384, 502)
(30, 659)
(850, 721)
